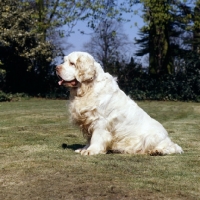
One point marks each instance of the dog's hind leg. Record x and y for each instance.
(165, 147)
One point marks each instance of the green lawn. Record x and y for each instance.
(37, 158)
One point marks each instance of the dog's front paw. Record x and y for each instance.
(78, 150)
(89, 152)
(92, 151)
(82, 149)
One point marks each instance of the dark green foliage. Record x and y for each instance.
(24, 58)
(196, 27)
(4, 96)
(12, 97)
(183, 86)
(167, 34)
(157, 15)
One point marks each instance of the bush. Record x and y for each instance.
(12, 97)
(4, 96)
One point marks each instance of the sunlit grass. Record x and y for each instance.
(37, 158)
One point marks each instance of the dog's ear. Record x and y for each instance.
(65, 58)
(86, 69)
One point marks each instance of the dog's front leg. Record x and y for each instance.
(100, 139)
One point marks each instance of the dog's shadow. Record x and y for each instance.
(72, 146)
(80, 146)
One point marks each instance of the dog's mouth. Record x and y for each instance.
(72, 83)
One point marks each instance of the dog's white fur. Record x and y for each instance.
(110, 120)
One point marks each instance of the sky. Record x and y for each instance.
(78, 40)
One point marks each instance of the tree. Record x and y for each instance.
(196, 27)
(51, 15)
(164, 35)
(108, 43)
(22, 53)
(158, 17)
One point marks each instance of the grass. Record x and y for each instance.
(37, 158)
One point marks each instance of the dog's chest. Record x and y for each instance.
(82, 112)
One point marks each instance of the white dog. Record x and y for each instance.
(110, 120)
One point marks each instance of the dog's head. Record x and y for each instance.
(78, 67)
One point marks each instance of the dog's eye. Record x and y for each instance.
(71, 63)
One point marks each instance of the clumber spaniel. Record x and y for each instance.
(109, 119)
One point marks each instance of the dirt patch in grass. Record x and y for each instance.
(37, 158)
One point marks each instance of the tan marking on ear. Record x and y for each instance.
(86, 68)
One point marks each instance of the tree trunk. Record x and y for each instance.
(196, 31)
(160, 60)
